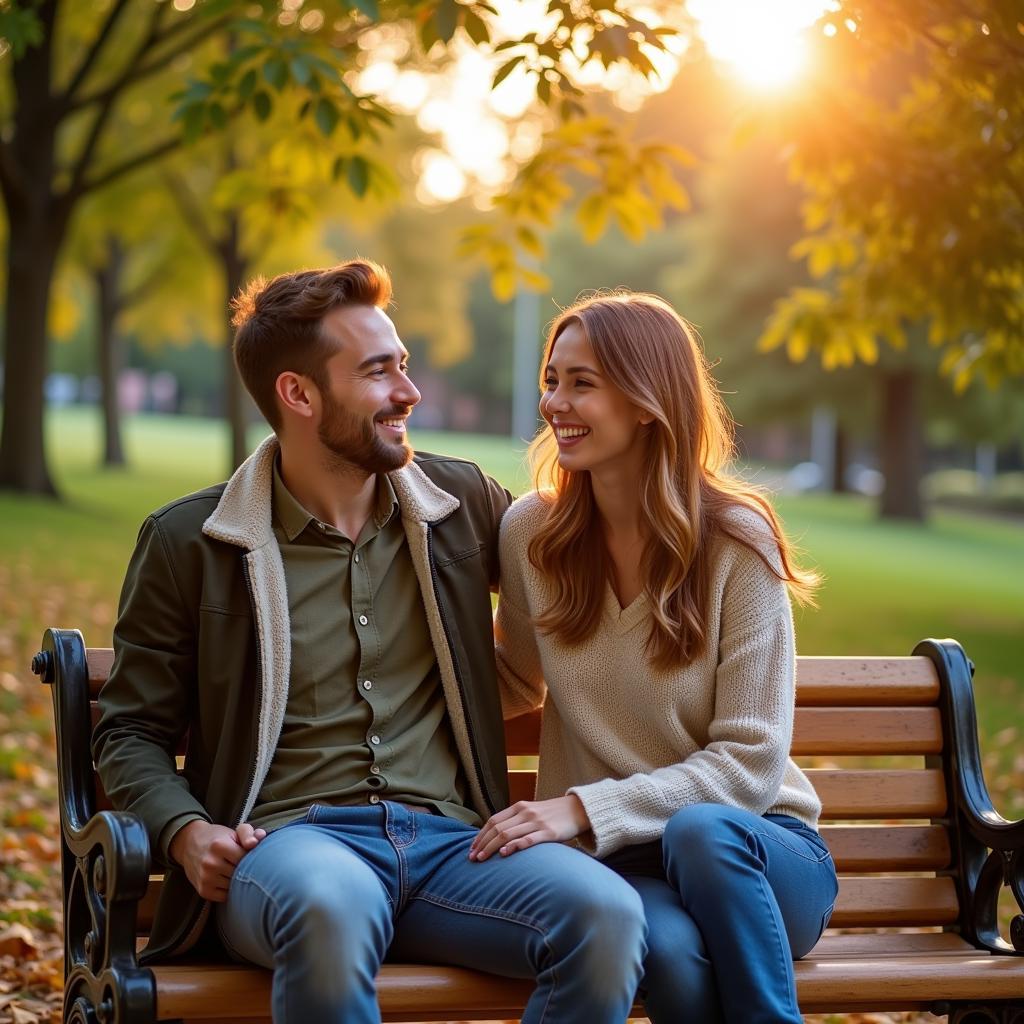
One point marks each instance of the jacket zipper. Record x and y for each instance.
(455, 666)
(202, 907)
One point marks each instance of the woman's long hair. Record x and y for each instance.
(651, 354)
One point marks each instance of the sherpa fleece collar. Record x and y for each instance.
(243, 514)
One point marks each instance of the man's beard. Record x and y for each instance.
(353, 440)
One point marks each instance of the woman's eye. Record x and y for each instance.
(583, 383)
(550, 383)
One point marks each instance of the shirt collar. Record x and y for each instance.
(294, 518)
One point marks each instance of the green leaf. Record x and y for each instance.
(275, 71)
(358, 176)
(21, 28)
(506, 69)
(326, 116)
(301, 71)
(447, 18)
(339, 165)
(262, 105)
(247, 85)
(195, 117)
(366, 7)
(217, 115)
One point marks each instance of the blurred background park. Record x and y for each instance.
(832, 191)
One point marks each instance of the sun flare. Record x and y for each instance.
(765, 43)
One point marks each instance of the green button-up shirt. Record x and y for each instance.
(366, 718)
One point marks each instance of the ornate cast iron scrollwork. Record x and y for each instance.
(988, 850)
(104, 861)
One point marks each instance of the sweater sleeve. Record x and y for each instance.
(748, 739)
(520, 677)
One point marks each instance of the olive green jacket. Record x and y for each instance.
(202, 644)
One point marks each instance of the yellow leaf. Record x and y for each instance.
(535, 280)
(530, 241)
(503, 283)
(866, 346)
(821, 260)
(592, 216)
(798, 344)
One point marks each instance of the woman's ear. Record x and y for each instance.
(646, 418)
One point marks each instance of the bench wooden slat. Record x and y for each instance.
(844, 793)
(820, 681)
(892, 902)
(894, 943)
(835, 731)
(825, 983)
(879, 794)
(888, 848)
(878, 682)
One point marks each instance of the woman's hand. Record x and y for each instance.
(529, 822)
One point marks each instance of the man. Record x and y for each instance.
(321, 626)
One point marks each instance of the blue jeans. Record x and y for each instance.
(321, 902)
(731, 900)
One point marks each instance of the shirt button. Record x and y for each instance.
(375, 769)
(367, 684)
(363, 620)
(375, 739)
(356, 557)
(374, 799)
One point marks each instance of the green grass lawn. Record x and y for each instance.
(887, 585)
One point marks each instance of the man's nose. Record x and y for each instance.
(406, 393)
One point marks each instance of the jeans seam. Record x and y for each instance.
(468, 908)
(492, 912)
(785, 960)
(803, 856)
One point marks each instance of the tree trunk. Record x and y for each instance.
(110, 350)
(236, 398)
(36, 223)
(23, 464)
(902, 448)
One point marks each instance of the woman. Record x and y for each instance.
(647, 592)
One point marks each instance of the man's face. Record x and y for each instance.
(369, 395)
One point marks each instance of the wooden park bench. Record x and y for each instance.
(922, 856)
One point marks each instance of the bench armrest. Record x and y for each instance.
(988, 849)
(104, 859)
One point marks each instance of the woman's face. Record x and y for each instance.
(595, 424)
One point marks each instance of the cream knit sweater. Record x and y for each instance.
(636, 744)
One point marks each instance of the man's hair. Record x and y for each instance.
(279, 324)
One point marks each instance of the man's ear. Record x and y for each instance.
(297, 394)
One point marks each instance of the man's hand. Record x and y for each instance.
(210, 853)
(529, 822)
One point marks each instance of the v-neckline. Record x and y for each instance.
(624, 619)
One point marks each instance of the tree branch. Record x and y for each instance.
(131, 164)
(134, 73)
(190, 211)
(98, 43)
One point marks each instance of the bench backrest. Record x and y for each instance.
(885, 820)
